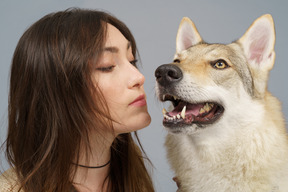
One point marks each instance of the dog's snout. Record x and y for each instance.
(167, 74)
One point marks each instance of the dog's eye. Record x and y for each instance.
(219, 64)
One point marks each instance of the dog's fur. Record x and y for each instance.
(246, 148)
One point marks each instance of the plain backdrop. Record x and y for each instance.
(154, 25)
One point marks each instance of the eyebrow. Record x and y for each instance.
(115, 49)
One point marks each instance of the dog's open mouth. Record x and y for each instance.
(185, 113)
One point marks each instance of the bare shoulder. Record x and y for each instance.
(8, 181)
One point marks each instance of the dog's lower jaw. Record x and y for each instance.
(193, 129)
(186, 130)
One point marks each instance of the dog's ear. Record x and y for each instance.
(258, 43)
(258, 46)
(187, 35)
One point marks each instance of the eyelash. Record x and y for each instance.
(106, 69)
(134, 62)
(110, 68)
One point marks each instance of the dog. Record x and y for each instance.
(226, 132)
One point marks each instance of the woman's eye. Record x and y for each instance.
(106, 69)
(134, 62)
(220, 64)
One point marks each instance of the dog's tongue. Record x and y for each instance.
(190, 109)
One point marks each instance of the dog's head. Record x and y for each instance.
(210, 83)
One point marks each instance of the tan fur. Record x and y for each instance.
(246, 150)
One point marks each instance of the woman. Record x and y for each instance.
(75, 96)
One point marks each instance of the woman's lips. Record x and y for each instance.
(139, 101)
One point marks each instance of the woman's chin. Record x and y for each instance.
(133, 123)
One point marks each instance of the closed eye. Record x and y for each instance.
(106, 69)
(176, 61)
(134, 62)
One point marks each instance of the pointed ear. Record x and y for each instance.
(258, 43)
(187, 35)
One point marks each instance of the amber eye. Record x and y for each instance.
(219, 64)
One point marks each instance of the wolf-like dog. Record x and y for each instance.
(226, 132)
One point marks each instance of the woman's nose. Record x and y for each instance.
(136, 79)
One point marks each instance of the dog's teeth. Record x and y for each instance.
(178, 116)
(163, 97)
(183, 112)
(207, 107)
(202, 110)
(166, 116)
(175, 98)
(164, 111)
(174, 117)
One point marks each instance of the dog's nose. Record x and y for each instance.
(167, 74)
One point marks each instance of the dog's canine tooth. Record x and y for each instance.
(164, 111)
(178, 116)
(183, 112)
(163, 97)
(175, 98)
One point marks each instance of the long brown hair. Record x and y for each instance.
(52, 104)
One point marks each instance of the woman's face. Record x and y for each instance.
(122, 84)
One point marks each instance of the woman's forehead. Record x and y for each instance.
(115, 38)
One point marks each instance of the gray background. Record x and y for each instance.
(154, 25)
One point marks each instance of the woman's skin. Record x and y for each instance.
(122, 86)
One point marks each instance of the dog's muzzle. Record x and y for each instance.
(168, 74)
(185, 112)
